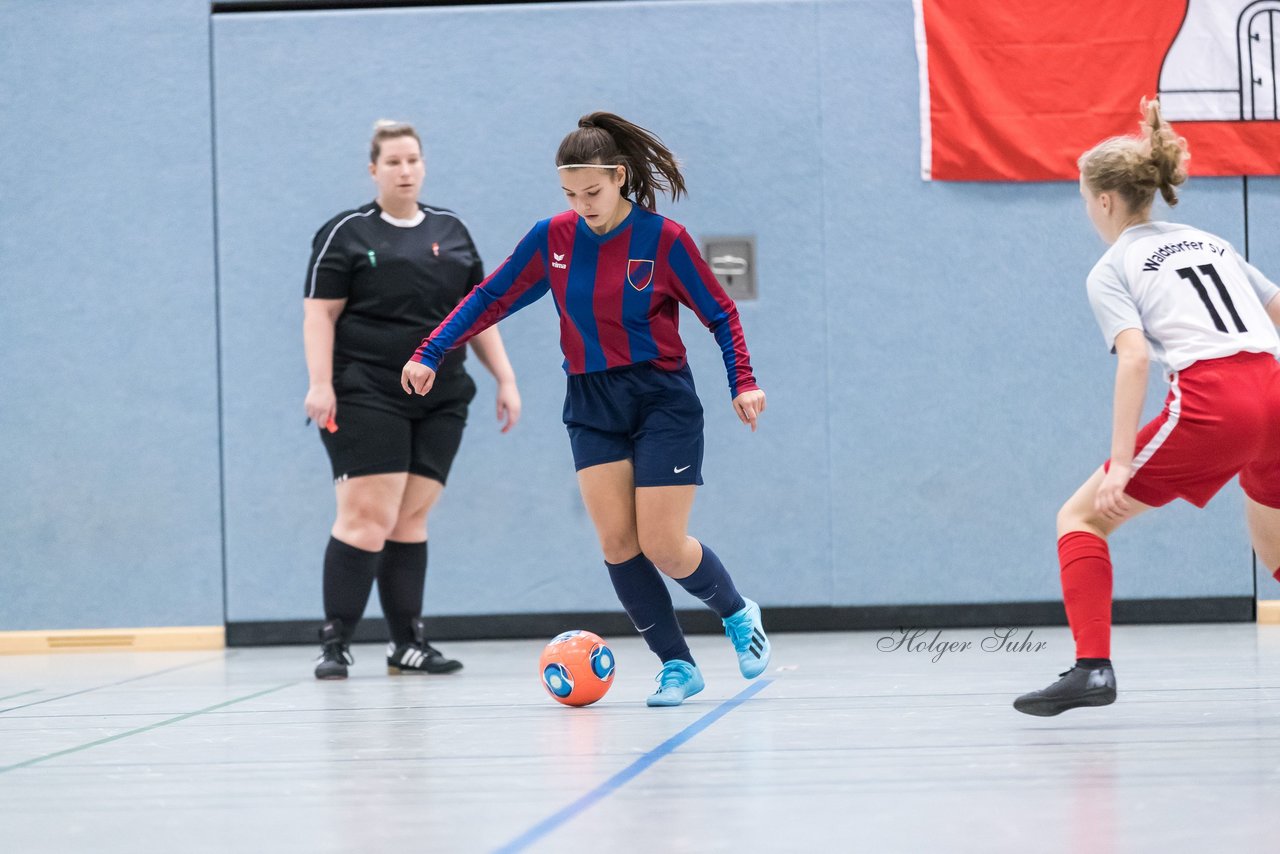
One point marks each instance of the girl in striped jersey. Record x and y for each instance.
(618, 273)
(1185, 297)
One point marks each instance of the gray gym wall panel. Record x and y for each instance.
(110, 516)
(733, 89)
(970, 387)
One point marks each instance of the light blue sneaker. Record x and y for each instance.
(678, 681)
(746, 629)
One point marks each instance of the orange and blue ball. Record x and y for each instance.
(577, 668)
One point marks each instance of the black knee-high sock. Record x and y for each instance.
(348, 578)
(644, 595)
(711, 583)
(401, 578)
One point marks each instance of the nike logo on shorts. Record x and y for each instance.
(684, 468)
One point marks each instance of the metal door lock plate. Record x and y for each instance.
(733, 261)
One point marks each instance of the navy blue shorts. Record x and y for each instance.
(639, 413)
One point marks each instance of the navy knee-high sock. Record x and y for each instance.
(644, 595)
(348, 579)
(711, 583)
(401, 578)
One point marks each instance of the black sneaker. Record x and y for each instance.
(334, 653)
(419, 656)
(1079, 686)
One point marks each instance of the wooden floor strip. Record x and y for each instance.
(162, 639)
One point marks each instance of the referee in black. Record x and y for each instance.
(378, 276)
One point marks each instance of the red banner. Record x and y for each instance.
(1017, 90)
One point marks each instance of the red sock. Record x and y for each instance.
(1086, 591)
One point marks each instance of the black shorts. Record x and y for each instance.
(376, 440)
(641, 413)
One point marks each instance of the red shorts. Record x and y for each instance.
(1222, 417)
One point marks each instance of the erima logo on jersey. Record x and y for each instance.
(556, 259)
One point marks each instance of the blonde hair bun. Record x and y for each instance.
(1135, 167)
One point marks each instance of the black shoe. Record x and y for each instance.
(334, 653)
(1079, 686)
(419, 656)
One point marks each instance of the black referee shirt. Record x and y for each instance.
(399, 284)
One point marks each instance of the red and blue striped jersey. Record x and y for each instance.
(618, 295)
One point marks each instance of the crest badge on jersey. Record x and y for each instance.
(639, 273)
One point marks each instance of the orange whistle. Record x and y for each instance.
(331, 426)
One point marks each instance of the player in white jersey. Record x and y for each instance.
(1186, 290)
(1185, 298)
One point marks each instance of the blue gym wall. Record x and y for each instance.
(1263, 197)
(936, 383)
(109, 516)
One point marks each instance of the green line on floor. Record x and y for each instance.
(37, 760)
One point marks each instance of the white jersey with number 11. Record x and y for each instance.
(1189, 292)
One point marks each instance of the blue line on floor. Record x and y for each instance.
(626, 775)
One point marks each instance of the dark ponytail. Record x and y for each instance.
(611, 140)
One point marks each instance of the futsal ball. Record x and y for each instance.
(577, 668)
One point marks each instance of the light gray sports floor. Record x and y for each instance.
(841, 746)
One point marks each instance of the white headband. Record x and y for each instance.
(589, 166)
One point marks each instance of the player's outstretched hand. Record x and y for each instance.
(416, 378)
(508, 405)
(749, 405)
